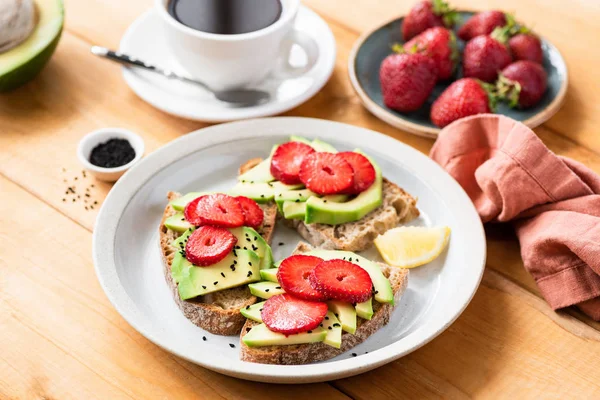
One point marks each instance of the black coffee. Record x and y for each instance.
(226, 17)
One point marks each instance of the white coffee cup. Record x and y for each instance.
(239, 60)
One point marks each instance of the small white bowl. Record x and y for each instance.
(92, 139)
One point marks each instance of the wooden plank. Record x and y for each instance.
(61, 338)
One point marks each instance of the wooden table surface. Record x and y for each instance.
(59, 336)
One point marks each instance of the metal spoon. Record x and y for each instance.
(240, 97)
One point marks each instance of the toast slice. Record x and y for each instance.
(398, 207)
(218, 312)
(313, 352)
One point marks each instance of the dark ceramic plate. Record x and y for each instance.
(372, 47)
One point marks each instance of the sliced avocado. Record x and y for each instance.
(177, 223)
(292, 195)
(180, 203)
(334, 330)
(269, 274)
(293, 210)
(249, 239)
(319, 210)
(260, 335)
(24, 61)
(301, 139)
(261, 192)
(181, 241)
(253, 312)
(259, 173)
(345, 313)
(320, 145)
(383, 288)
(235, 269)
(365, 309)
(265, 289)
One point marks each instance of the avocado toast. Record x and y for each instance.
(357, 323)
(216, 312)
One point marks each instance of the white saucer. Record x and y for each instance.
(143, 40)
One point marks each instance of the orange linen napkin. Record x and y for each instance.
(552, 201)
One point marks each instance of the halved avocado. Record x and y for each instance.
(23, 62)
(260, 335)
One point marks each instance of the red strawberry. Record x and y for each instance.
(483, 23)
(293, 275)
(215, 209)
(526, 46)
(523, 83)
(286, 161)
(439, 44)
(427, 14)
(464, 97)
(407, 80)
(287, 314)
(253, 214)
(208, 245)
(484, 57)
(364, 172)
(342, 280)
(326, 173)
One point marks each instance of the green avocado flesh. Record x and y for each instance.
(334, 330)
(300, 139)
(320, 145)
(365, 309)
(177, 223)
(265, 289)
(180, 203)
(23, 62)
(383, 288)
(261, 192)
(181, 241)
(269, 274)
(319, 210)
(292, 196)
(253, 312)
(232, 271)
(249, 239)
(345, 313)
(260, 335)
(293, 210)
(259, 173)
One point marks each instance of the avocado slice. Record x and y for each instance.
(269, 274)
(383, 288)
(261, 192)
(265, 289)
(295, 138)
(181, 241)
(235, 269)
(320, 145)
(319, 210)
(249, 239)
(180, 203)
(345, 313)
(253, 312)
(334, 330)
(260, 172)
(260, 335)
(293, 196)
(23, 62)
(177, 223)
(293, 210)
(365, 309)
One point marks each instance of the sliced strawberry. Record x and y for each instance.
(215, 209)
(287, 314)
(326, 173)
(208, 245)
(364, 172)
(293, 276)
(253, 214)
(286, 161)
(342, 280)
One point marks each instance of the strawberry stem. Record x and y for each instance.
(491, 93)
(508, 90)
(442, 9)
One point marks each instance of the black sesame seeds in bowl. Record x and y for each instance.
(108, 153)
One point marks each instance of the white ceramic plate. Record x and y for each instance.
(144, 40)
(128, 264)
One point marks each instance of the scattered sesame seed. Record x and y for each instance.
(308, 331)
(267, 290)
(330, 328)
(277, 287)
(248, 329)
(204, 338)
(223, 274)
(64, 199)
(324, 201)
(281, 243)
(354, 354)
(203, 287)
(247, 307)
(336, 325)
(232, 345)
(215, 283)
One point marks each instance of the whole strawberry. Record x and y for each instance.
(407, 80)
(440, 44)
(427, 14)
(526, 46)
(523, 83)
(483, 23)
(484, 57)
(466, 96)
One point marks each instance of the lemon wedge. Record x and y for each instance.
(412, 246)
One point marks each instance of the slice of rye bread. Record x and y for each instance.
(313, 352)
(398, 207)
(218, 312)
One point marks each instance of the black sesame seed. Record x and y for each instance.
(354, 354)
(248, 240)
(255, 238)
(336, 325)
(262, 195)
(248, 329)
(280, 194)
(337, 315)
(223, 274)
(203, 287)
(64, 199)
(277, 287)
(215, 283)
(204, 338)
(231, 345)
(324, 201)
(87, 195)
(247, 307)
(76, 178)
(254, 248)
(246, 233)
(300, 194)
(260, 309)
(377, 291)
(308, 331)
(281, 243)
(95, 202)
(366, 352)
(267, 290)
(270, 184)
(327, 318)
(74, 200)
(92, 185)
(330, 328)
(234, 261)
(86, 207)
(245, 248)
(249, 263)
(321, 325)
